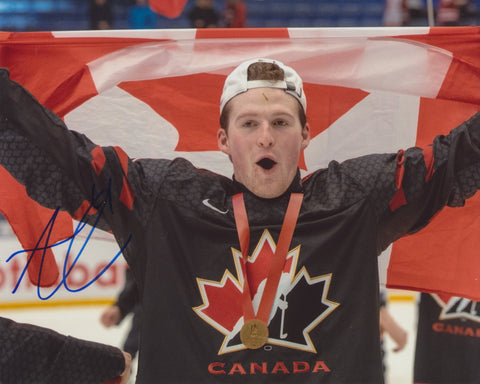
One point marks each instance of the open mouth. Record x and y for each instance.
(266, 163)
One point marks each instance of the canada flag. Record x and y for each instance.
(156, 94)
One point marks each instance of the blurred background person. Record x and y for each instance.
(396, 13)
(203, 15)
(127, 302)
(101, 15)
(389, 326)
(141, 16)
(448, 340)
(235, 14)
(454, 12)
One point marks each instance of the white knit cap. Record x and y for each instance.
(236, 83)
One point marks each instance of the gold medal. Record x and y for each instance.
(254, 334)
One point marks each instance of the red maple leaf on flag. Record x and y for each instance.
(171, 97)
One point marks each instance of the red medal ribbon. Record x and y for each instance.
(279, 257)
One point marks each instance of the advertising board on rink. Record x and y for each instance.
(90, 272)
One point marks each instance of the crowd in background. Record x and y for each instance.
(202, 14)
(234, 13)
(30, 15)
(446, 13)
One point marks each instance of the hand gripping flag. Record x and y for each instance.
(369, 90)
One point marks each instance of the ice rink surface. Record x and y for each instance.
(83, 322)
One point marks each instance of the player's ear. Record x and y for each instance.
(222, 139)
(305, 136)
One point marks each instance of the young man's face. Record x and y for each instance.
(264, 140)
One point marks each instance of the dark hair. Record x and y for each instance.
(262, 71)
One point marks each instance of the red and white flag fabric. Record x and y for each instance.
(156, 94)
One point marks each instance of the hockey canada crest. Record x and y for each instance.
(290, 322)
(457, 308)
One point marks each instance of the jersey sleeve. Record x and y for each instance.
(31, 353)
(408, 188)
(63, 169)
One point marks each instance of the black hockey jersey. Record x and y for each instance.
(448, 341)
(176, 225)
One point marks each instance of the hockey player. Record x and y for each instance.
(261, 278)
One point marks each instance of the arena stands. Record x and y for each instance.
(49, 15)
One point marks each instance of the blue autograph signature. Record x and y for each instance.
(104, 200)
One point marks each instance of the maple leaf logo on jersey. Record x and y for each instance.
(291, 320)
(457, 308)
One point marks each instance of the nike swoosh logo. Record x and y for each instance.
(206, 202)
